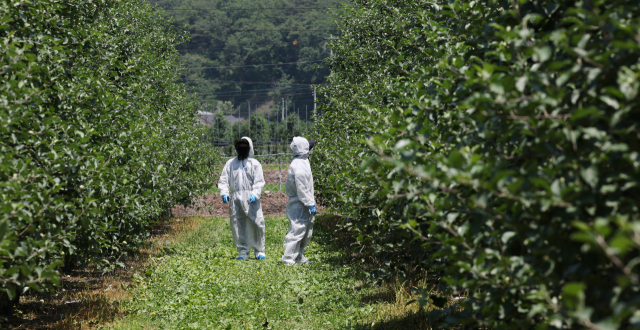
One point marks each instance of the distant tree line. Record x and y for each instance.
(231, 41)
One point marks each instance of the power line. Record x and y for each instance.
(247, 82)
(252, 65)
(254, 46)
(258, 90)
(288, 43)
(254, 94)
(240, 9)
(258, 94)
(254, 30)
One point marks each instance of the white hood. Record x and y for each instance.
(300, 147)
(251, 153)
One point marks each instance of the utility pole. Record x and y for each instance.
(331, 49)
(276, 126)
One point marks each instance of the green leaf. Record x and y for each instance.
(543, 54)
(4, 225)
(456, 159)
(573, 289)
(506, 236)
(590, 175)
(610, 101)
(521, 83)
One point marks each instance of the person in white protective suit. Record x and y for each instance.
(243, 176)
(301, 207)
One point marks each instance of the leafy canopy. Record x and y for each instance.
(500, 149)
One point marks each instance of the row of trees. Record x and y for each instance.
(495, 145)
(97, 138)
(258, 128)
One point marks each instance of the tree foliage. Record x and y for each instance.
(230, 40)
(501, 148)
(97, 138)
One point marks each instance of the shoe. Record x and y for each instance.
(261, 257)
(303, 261)
(288, 263)
(242, 257)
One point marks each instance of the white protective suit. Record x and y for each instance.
(300, 190)
(243, 178)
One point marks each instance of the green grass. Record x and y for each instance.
(284, 166)
(195, 285)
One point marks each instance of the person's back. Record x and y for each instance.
(301, 206)
(300, 168)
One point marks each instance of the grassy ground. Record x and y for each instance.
(195, 282)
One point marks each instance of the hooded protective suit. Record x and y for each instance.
(300, 190)
(244, 178)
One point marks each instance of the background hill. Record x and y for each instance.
(254, 54)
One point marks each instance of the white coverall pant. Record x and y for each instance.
(247, 225)
(300, 231)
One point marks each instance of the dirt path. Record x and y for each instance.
(272, 176)
(212, 205)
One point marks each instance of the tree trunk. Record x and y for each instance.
(7, 305)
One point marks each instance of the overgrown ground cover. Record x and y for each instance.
(197, 283)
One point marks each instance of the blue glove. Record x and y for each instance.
(225, 199)
(312, 209)
(252, 199)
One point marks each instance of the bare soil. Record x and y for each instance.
(212, 205)
(272, 176)
(273, 203)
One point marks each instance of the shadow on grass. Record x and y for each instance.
(85, 298)
(391, 297)
(60, 314)
(414, 321)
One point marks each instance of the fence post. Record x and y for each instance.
(280, 180)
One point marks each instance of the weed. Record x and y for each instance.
(199, 284)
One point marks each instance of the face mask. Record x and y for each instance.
(243, 152)
(312, 143)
